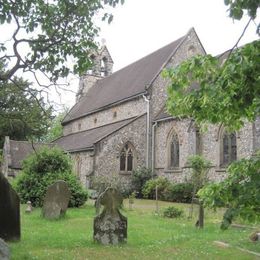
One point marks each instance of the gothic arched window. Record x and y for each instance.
(174, 152)
(126, 158)
(228, 148)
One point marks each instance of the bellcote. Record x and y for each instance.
(102, 66)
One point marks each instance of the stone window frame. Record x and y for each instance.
(170, 167)
(104, 66)
(231, 151)
(125, 150)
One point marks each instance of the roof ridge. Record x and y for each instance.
(181, 39)
(125, 83)
(29, 142)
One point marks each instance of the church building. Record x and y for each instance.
(119, 121)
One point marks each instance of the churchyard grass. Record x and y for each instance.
(150, 236)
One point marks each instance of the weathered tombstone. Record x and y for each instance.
(9, 211)
(56, 200)
(4, 250)
(110, 227)
(29, 207)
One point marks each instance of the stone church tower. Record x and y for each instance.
(102, 66)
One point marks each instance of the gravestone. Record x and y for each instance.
(110, 227)
(4, 250)
(56, 200)
(9, 211)
(29, 207)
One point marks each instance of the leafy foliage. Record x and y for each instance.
(20, 112)
(162, 184)
(240, 191)
(139, 177)
(101, 182)
(51, 32)
(237, 8)
(228, 93)
(55, 130)
(167, 191)
(173, 212)
(43, 169)
(180, 192)
(200, 167)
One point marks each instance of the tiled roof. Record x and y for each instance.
(85, 140)
(123, 84)
(19, 150)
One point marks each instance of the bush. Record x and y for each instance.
(163, 186)
(180, 192)
(139, 178)
(42, 169)
(101, 182)
(172, 212)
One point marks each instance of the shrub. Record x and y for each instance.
(172, 212)
(42, 169)
(139, 178)
(180, 192)
(163, 186)
(101, 182)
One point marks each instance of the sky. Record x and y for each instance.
(140, 27)
(143, 26)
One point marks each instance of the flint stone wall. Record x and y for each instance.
(108, 150)
(210, 148)
(123, 111)
(83, 163)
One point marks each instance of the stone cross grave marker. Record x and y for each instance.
(56, 200)
(9, 211)
(110, 227)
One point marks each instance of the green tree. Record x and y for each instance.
(55, 130)
(47, 33)
(22, 116)
(200, 167)
(42, 169)
(229, 85)
(239, 192)
(224, 90)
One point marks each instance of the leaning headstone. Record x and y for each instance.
(110, 227)
(9, 211)
(56, 200)
(4, 250)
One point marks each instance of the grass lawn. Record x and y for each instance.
(150, 236)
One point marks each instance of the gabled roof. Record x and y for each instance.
(19, 150)
(126, 83)
(163, 115)
(85, 140)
